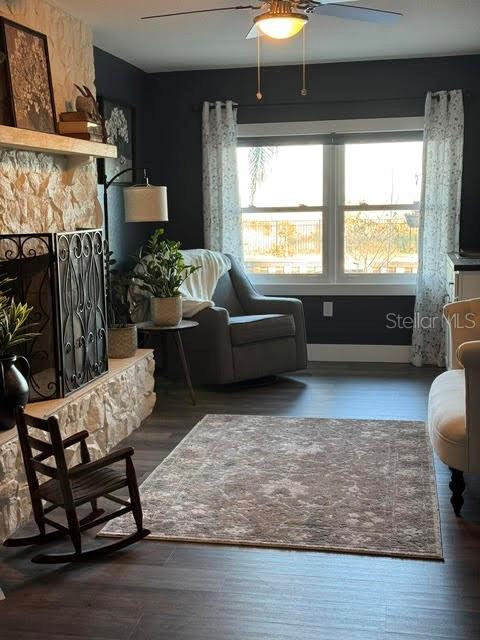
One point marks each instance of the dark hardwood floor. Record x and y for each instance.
(205, 592)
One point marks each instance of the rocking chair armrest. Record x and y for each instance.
(77, 437)
(106, 461)
(66, 443)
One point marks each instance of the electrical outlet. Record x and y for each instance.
(328, 309)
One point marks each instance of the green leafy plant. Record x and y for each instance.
(4, 282)
(3, 295)
(121, 306)
(14, 327)
(161, 269)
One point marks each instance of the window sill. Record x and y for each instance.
(343, 289)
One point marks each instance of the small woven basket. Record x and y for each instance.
(122, 341)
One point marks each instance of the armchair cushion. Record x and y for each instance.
(248, 329)
(226, 297)
(254, 303)
(447, 418)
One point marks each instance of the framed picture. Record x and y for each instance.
(29, 77)
(120, 129)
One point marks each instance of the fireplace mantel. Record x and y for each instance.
(26, 140)
(78, 152)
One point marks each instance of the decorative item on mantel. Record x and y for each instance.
(26, 79)
(122, 331)
(85, 123)
(14, 369)
(80, 129)
(161, 270)
(62, 276)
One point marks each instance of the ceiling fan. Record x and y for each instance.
(282, 19)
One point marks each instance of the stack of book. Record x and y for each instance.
(76, 124)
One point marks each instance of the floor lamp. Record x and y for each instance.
(143, 202)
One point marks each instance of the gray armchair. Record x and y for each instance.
(245, 336)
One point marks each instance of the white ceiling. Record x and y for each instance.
(213, 41)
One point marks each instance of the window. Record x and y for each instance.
(380, 207)
(282, 208)
(331, 208)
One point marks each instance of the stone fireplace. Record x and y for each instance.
(46, 194)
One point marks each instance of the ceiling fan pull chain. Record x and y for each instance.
(304, 91)
(259, 85)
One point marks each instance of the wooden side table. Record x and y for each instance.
(149, 329)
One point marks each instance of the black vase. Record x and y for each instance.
(14, 373)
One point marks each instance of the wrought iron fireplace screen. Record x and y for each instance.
(62, 276)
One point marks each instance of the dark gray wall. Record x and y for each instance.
(336, 91)
(357, 320)
(121, 81)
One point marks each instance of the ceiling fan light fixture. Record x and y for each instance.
(281, 26)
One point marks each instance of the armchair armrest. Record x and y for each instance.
(213, 327)
(106, 461)
(463, 325)
(210, 346)
(469, 356)
(259, 303)
(215, 315)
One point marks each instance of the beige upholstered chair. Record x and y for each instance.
(454, 401)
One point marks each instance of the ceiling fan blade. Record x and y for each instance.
(253, 33)
(186, 13)
(357, 13)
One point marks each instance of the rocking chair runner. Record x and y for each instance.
(68, 489)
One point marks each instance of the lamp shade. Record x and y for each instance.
(145, 203)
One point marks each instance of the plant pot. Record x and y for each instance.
(14, 373)
(166, 312)
(122, 341)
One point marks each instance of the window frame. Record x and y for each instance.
(333, 209)
(313, 278)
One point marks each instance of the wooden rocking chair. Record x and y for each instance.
(68, 489)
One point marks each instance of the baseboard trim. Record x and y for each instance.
(358, 353)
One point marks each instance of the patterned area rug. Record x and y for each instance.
(353, 486)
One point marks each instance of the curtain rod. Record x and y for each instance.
(256, 105)
(436, 94)
(213, 104)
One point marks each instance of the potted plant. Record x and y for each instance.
(122, 333)
(160, 273)
(14, 370)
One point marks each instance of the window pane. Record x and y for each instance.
(383, 173)
(381, 241)
(283, 243)
(284, 176)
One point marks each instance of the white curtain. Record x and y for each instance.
(439, 221)
(221, 200)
